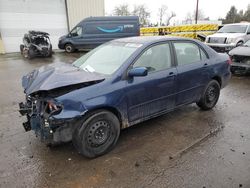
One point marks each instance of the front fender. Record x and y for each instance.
(71, 109)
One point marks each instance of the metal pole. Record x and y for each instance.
(196, 12)
(67, 15)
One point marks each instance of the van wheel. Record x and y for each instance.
(97, 134)
(210, 95)
(69, 48)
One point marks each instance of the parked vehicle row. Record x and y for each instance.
(117, 85)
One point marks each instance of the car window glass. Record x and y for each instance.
(107, 58)
(76, 31)
(248, 30)
(155, 58)
(187, 53)
(203, 55)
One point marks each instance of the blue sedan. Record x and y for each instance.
(119, 84)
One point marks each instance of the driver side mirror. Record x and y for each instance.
(138, 71)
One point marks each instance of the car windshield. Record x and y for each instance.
(233, 29)
(107, 58)
(247, 43)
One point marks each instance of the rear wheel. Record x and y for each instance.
(69, 48)
(28, 53)
(97, 134)
(21, 48)
(210, 96)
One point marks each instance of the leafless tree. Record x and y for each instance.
(169, 17)
(121, 10)
(162, 13)
(142, 12)
(188, 19)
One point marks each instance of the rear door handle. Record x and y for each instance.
(171, 74)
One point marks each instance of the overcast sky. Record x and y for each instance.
(213, 9)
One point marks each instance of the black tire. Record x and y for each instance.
(31, 53)
(21, 48)
(97, 134)
(69, 48)
(27, 53)
(210, 95)
(50, 52)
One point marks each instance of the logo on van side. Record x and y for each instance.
(118, 29)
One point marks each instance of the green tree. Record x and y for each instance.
(232, 16)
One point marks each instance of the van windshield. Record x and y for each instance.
(107, 58)
(233, 29)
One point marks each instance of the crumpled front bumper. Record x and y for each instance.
(51, 130)
(240, 68)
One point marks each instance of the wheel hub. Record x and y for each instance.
(98, 133)
(211, 94)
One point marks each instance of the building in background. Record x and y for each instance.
(56, 17)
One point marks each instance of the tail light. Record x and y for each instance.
(229, 61)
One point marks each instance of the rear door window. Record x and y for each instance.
(188, 53)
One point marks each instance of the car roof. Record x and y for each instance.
(149, 39)
(243, 23)
(110, 18)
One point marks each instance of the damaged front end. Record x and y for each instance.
(240, 64)
(51, 119)
(41, 117)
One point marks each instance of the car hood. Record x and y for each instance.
(57, 75)
(241, 51)
(227, 35)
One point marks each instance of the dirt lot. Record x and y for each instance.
(185, 148)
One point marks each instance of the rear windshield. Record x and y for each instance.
(233, 29)
(107, 58)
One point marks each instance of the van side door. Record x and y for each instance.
(76, 36)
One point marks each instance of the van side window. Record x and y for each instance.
(187, 53)
(77, 31)
(156, 58)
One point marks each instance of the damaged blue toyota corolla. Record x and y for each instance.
(119, 84)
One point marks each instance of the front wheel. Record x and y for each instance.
(69, 48)
(210, 96)
(97, 134)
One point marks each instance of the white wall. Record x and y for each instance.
(19, 16)
(80, 9)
